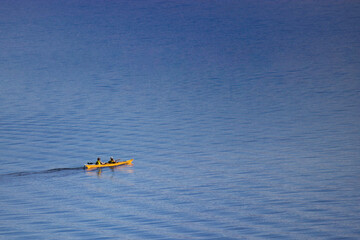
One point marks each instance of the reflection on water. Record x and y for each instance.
(98, 171)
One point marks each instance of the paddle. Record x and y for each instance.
(116, 160)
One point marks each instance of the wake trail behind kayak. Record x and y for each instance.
(19, 174)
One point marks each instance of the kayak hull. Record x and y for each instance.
(93, 166)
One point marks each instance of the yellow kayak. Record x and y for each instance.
(93, 166)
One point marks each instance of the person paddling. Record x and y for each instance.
(112, 160)
(98, 162)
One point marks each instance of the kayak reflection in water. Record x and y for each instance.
(112, 160)
(98, 162)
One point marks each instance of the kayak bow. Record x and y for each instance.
(93, 166)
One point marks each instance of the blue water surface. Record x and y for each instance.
(242, 118)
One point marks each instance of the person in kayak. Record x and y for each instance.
(98, 162)
(111, 160)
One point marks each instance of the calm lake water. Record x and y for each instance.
(243, 119)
